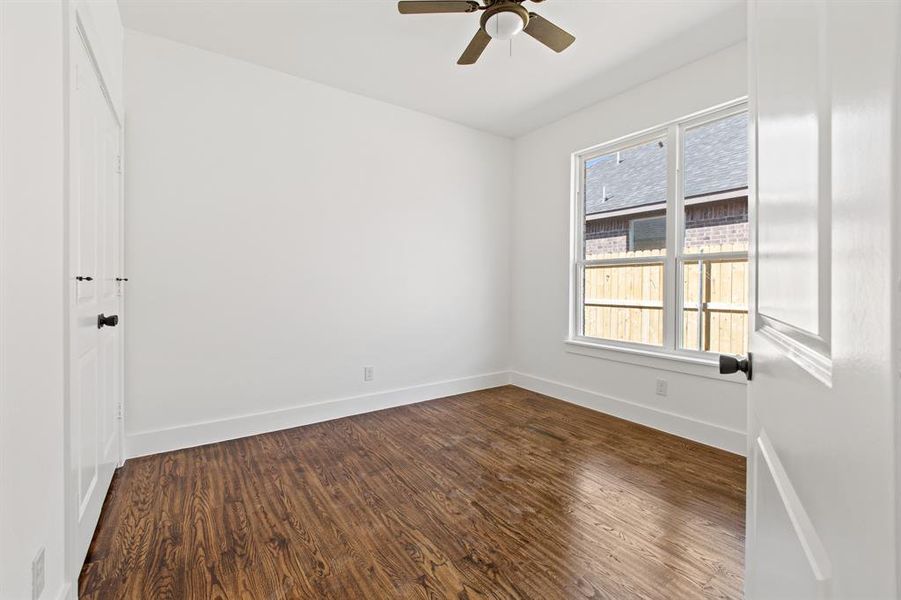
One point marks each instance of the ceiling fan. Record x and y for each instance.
(501, 20)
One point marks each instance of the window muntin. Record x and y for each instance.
(626, 224)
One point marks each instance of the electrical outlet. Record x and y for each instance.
(661, 387)
(368, 373)
(37, 575)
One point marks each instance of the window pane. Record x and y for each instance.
(625, 202)
(718, 292)
(715, 185)
(624, 303)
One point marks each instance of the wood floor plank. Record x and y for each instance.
(497, 494)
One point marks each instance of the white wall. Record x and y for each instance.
(282, 234)
(709, 409)
(297, 233)
(31, 295)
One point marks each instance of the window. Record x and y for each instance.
(662, 237)
(648, 233)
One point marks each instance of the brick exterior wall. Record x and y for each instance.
(607, 236)
(711, 223)
(717, 223)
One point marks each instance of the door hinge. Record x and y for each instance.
(118, 163)
(119, 411)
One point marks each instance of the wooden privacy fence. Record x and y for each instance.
(625, 302)
(723, 306)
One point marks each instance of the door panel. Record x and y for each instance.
(110, 218)
(782, 569)
(109, 394)
(789, 133)
(85, 204)
(84, 402)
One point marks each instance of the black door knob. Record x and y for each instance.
(734, 364)
(110, 321)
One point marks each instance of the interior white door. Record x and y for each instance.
(95, 257)
(821, 468)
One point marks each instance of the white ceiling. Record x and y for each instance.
(366, 47)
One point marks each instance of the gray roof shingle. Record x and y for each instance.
(716, 160)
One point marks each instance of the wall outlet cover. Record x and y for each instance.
(661, 387)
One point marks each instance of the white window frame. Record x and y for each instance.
(672, 134)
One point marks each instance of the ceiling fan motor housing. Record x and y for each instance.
(503, 7)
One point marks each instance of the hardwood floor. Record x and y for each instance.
(502, 493)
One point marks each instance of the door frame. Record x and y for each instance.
(78, 30)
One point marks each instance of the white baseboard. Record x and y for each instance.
(197, 434)
(208, 432)
(718, 436)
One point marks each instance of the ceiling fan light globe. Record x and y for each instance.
(503, 25)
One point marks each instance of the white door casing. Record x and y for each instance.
(94, 263)
(821, 467)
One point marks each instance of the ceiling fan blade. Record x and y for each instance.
(548, 34)
(421, 7)
(475, 48)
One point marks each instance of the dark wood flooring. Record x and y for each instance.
(502, 493)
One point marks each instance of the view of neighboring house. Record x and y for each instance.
(625, 193)
(625, 199)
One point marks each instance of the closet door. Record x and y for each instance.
(95, 254)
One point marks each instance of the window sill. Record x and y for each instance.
(699, 366)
